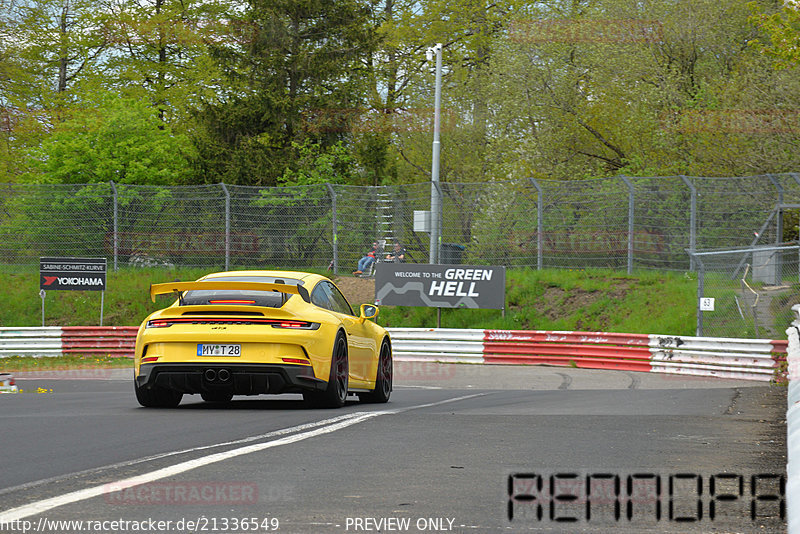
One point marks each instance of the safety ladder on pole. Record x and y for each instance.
(385, 215)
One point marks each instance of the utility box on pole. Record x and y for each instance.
(422, 221)
(766, 267)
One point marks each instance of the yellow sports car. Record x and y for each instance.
(254, 332)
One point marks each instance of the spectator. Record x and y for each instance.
(397, 255)
(367, 260)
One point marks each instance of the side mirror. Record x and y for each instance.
(369, 311)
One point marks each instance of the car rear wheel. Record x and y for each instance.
(383, 381)
(157, 397)
(335, 393)
(216, 396)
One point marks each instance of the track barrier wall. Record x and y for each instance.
(64, 340)
(747, 359)
(793, 425)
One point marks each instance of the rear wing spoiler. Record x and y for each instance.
(178, 287)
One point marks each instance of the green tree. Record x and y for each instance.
(317, 165)
(605, 87)
(121, 141)
(403, 83)
(59, 42)
(160, 51)
(48, 48)
(782, 33)
(298, 77)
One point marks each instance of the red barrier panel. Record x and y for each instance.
(553, 349)
(641, 340)
(99, 331)
(589, 350)
(116, 341)
(572, 361)
(780, 345)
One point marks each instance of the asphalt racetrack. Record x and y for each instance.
(459, 448)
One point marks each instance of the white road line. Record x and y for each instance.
(176, 469)
(128, 463)
(44, 505)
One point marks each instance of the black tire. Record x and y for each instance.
(383, 381)
(216, 396)
(157, 397)
(335, 394)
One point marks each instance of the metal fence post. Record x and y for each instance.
(692, 222)
(631, 200)
(116, 211)
(436, 193)
(779, 209)
(701, 274)
(332, 191)
(227, 226)
(539, 219)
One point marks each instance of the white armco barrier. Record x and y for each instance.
(448, 345)
(749, 359)
(793, 427)
(30, 341)
(744, 359)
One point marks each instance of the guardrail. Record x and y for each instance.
(30, 341)
(793, 426)
(106, 340)
(61, 340)
(449, 345)
(591, 350)
(750, 359)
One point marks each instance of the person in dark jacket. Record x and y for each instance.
(397, 255)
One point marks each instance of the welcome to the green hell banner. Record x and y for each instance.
(440, 286)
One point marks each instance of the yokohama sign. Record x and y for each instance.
(82, 274)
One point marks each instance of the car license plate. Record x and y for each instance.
(218, 349)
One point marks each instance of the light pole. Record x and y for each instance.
(436, 201)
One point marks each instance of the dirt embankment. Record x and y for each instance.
(357, 290)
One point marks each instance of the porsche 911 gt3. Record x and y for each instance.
(260, 332)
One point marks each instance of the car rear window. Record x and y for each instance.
(273, 299)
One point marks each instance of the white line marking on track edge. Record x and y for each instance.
(44, 505)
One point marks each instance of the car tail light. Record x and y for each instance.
(150, 359)
(296, 360)
(229, 301)
(275, 323)
(303, 325)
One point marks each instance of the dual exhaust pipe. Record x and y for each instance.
(217, 376)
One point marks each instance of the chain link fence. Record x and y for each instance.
(747, 292)
(616, 223)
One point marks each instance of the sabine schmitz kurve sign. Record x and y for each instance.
(440, 286)
(83, 274)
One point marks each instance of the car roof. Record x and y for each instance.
(307, 278)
